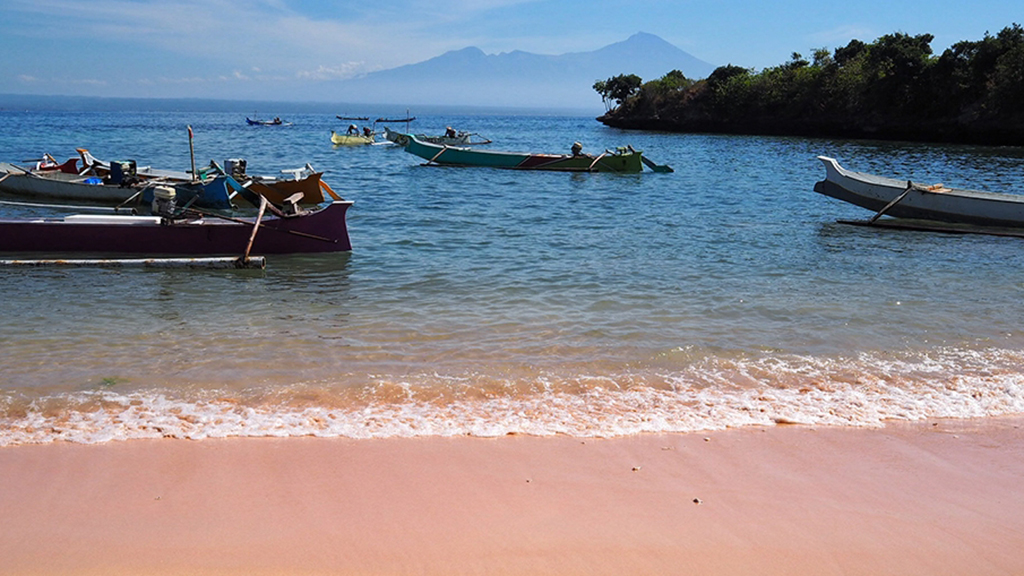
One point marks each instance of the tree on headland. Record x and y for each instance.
(618, 88)
(674, 80)
(894, 87)
(621, 88)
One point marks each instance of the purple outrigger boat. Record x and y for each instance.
(319, 229)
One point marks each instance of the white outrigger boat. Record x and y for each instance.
(903, 199)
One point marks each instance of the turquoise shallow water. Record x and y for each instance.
(485, 302)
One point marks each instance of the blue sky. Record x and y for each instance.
(287, 49)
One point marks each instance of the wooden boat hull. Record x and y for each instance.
(350, 139)
(318, 230)
(53, 185)
(628, 162)
(57, 186)
(922, 202)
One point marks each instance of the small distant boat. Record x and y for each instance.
(356, 118)
(274, 122)
(459, 139)
(903, 199)
(406, 119)
(322, 229)
(351, 139)
(622, 160)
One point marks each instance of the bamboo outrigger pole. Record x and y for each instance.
(257, 262)
(910, 186)
(255, 228)
(192, 154)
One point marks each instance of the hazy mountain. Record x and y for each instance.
(471, 77)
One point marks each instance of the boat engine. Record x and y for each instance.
(235, 167)
(124, 173)
(163, 202)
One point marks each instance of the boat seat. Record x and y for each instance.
(291, 204)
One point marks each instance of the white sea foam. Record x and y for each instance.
(710, 394)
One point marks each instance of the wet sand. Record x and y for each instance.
(932, 498)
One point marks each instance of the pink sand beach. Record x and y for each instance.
(929, 498)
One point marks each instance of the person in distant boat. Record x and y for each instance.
(367, 132)
(277, 119)
(449, 132)
(353, 130)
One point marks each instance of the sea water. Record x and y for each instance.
(488, 302)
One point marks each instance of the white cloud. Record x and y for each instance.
(181, 80)
(88, 81)
(81, 81)
(260, 34)
(341, 72)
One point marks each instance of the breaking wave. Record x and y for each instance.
(709, 393)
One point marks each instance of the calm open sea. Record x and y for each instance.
(488, 302)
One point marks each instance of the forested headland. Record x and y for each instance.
(893, 88)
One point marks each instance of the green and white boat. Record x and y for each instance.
(623, 160)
